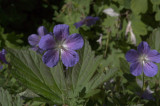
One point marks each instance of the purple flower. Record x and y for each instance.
(143, 60)
(2, 58)
(87, 21)
(34, 39)
(61, 44)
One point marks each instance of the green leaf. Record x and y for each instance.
(83, 6)
(109, 21)
(139, 6)
(92, 92)
(30, 70)
(11, 40)
(7, 99)
(55, 85)
(155, 2)
(85, 69)
(73, 11)
(100, 78)
(154, 39)
(124, 65)
(85, 74)
(124, 3)
(157, 16)
(139, 28)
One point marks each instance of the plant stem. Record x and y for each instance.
(143, 87)
(107, 42)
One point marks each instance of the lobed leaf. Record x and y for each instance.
(57, 84)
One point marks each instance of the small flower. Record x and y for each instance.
(110, 12)
(129, 29)
(142, 60)
(61, 44)
(3, 58)
(87, 21)
(34, 39)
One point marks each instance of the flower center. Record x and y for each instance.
(61, 46)
(143, 59)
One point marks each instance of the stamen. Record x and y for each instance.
(65, 46)
(143, 59)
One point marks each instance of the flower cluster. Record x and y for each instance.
(2, 58)
(142, 60)
(60, 45)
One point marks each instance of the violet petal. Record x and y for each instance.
(79, 24)
(47, 42)
(37, 49)
(132, 56)
(150, 69)
(143, 47)
(74, 42)
(91, 20)
(42, 31)
(61, 31)
(69, 57)
(2, 56)
(33, 39)
(51, 58)
(154, 56)
(4, 51)
(136, 69)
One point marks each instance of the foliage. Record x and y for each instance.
(52, 83)
(11, 40)
(102, 75)
(7, 99)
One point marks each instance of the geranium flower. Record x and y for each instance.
(61, 45)
(87, 21)
(143, 60)
(2, 58)
(34, 39)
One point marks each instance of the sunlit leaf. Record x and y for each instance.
(139, 6)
